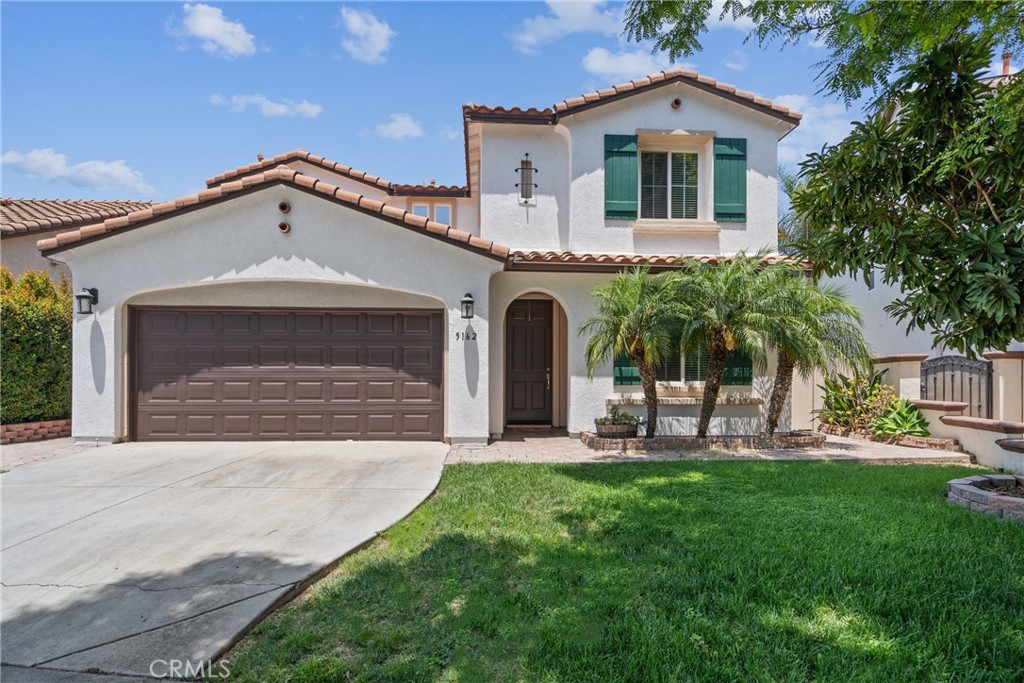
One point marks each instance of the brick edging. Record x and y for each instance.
(692, 443)
(34, 431)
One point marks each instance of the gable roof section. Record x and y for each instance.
(26, 216)
(268, 178)
(341, 169)
(476, 112)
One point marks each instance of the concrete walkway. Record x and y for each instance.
(543, 446)
(119, 556)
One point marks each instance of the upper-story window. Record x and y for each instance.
(421, 210)
(441, 213)
(668, 185)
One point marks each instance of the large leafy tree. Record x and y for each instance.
(866, 41)
(637, 316)
(816, 329)
(732, 306)
(933, 194)
(929, 188)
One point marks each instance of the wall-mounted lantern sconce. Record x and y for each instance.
(86, 299)
(526, 184)
(467, 306)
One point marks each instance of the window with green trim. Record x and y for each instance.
(668, 185)
(739, 369)
(625, 372)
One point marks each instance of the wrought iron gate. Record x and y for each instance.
(957, 378)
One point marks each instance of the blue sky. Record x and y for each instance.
(146, 100)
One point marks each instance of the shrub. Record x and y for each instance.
(35, 339)
(902, 418)
(855, 402)
(617, 416)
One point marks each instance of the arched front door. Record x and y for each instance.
(528, 361)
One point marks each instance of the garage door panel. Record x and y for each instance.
(207, 374)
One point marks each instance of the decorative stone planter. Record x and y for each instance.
(616, 431)
(598, 442)
(934, 443)
(993, 499)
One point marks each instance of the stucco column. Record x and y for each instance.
(466, 406)
(904, 373)
(1007, 385)
(96, 415)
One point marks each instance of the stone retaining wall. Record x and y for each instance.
(692, 443)
(34, 431)
(965, 493)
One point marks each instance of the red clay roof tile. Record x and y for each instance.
(26, 216)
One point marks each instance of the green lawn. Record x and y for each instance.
(709, 571)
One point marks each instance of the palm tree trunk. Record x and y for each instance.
(650, 386)
(780, 391)
(717, 353)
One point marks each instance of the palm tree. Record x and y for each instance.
(730, 307)
(820, 330)
(636, 317)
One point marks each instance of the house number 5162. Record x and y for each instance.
(465, 336)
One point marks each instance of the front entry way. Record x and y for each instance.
(528, 362)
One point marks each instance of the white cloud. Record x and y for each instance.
(100, 175)
(215, 32)
(239, 103)
(447, 133)
(823, 122)
(621, 66)
(368, 38)
(566, 18)
(737, 61)
(742, 24)
(399, 127)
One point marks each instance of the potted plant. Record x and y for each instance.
(617, 424)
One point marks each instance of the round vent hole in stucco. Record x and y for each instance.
(676, 103)
(284, 228)
(284, 207)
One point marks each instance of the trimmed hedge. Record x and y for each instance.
(35, 343)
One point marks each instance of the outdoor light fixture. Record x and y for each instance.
(86, 299)
(467, 306)
(526, 184)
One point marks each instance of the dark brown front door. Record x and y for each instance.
(204, 374)
(528, 362)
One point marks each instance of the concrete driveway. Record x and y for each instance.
(128, 554)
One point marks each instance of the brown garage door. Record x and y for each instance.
(272, 374)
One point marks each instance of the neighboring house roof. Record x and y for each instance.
(341, 169)
(280, 175)
(478, 112)
(26, 216)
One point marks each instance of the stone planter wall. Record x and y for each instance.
(965, 493)
(692, 443)
(935, 443)
(34, 431)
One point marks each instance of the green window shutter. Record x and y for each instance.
(731, 180)
(739, 370)
(625, 372)
(620, 177)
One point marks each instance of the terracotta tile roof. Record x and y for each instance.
(542, 259)
(615, 92)
(268, 177)
(25, 216)
(341, 169)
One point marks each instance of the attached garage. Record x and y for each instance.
(234, 374)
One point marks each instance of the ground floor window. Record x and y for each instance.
(739, 370)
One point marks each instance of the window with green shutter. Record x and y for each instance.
(730, 180)
(739, 370)
(620, 177)
(625, 372)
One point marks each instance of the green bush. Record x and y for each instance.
(901, 418)
(855, 402)
(35, 343)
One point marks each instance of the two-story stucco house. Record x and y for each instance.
(297, 298)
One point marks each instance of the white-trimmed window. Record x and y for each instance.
(443, 213)
(669, 185)
(421, 210)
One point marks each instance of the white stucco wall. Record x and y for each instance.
(237, 241)
(568, 213)
(884, 334)
(19, 254)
